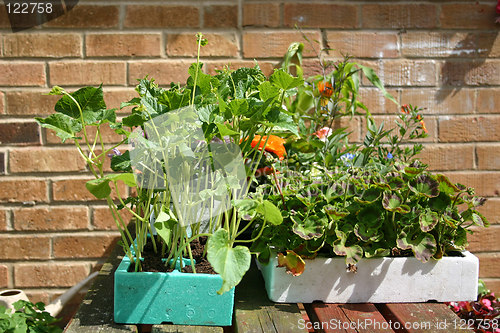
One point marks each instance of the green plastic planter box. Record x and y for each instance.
(176, 297)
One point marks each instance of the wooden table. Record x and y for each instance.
(255, 313)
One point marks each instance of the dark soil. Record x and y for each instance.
(153, 262)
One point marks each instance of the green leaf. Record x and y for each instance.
(445, 185)
(224, 130)
(238, 107)
(100, 187)
(134, 120)
(133, 102)
(91, 102)
(425, 186)
(310, 227)
(268, 91)
(271, 213)
(64, 126)
(284, 80)
(352, 253)
(231, 263)
(393, 203)
(121, 162)
(421, 243)
(375, 80)
(294, 263)
(428, 220)
(164, 225)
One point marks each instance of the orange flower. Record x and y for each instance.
(275, 145)
(405, 108)
(419, 117)
(325, 88)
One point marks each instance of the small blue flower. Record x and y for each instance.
(389, 155)
(347, 158)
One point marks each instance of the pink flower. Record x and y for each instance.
(487, 303)
(323, 133)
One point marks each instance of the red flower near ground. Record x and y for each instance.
(275, 145)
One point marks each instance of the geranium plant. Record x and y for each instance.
(357, 200)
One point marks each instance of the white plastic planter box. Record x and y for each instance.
(378, 280)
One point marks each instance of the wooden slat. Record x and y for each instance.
(328, 318)
(95, 314)
(423, 317)
(185, 329)
(254, 312)
(367, 318)
(348, 318)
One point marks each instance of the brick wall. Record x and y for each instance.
(441, 55)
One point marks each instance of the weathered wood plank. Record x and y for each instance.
(95, 314)
(254, 312)
(366, 317)
(185, 329)
(423, 317)
(328, 318)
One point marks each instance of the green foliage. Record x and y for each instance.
(27, 318)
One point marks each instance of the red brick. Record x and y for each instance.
(468, 16)
(38, 296)
(488, 100)
(469, 129)
(22, 74)
(399, 16)
(114, 97)
(49, 275)
(448, 44)
(87, 16)
(42, 45)
(127, 45)
(20, 133)
(219, 45)
(75, 190)
(272, 44)
(4, 276)
(103, 220)
(376, 102)
(484, 239)
(416, 73)
(491, 210)
(267, 67)
(472, 73)
(492, 284)
(163, 72)
(16, 190)
(363, 44)
(220, 16)
(440, 101)
(321, 15)
(161, 16)
(88, 73)
(50, 218)
(3, 220)
(30, 103)
(486, 184)
(80, 246)
(261, 15)
(489, 264)
(15, 247)
(448, 157)
(488, 157)
(46, 160)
